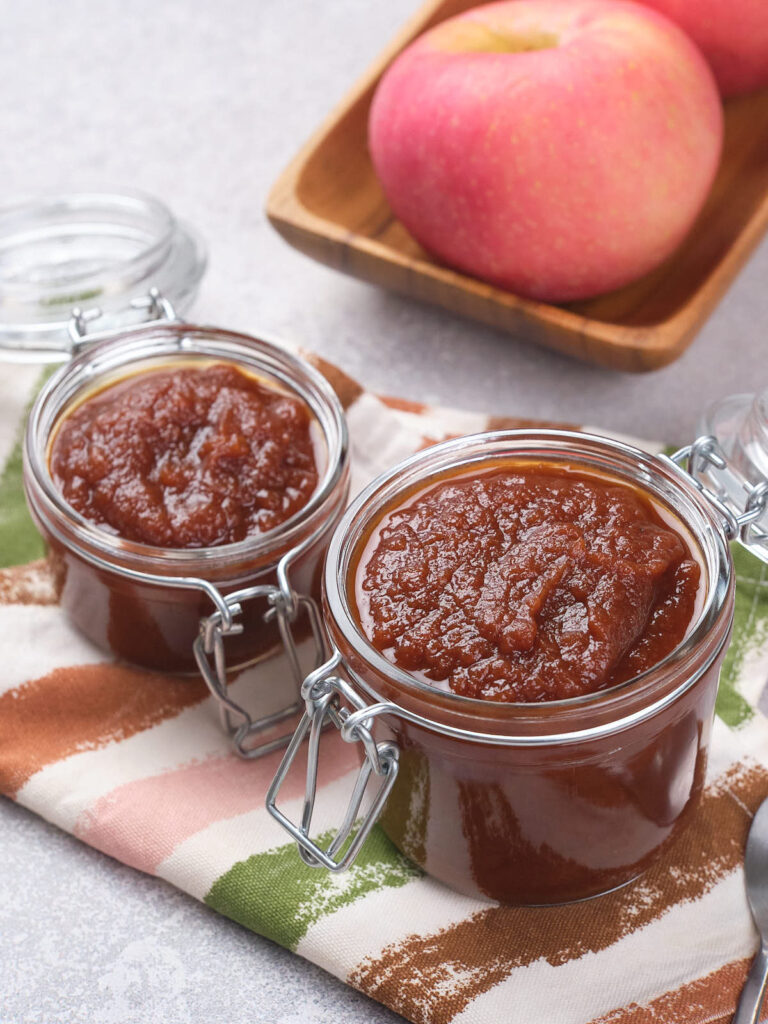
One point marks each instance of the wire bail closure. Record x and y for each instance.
(209, 650)
(699, 461)
(285, 606)
(158, 309)
(330, 699)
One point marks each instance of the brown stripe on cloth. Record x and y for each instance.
(708, 1000)
(429, 442)
(501, 423)
(28, 584)
(82, 708)
(431, 978)
(345, 386)
(513, 423)
(403, 404)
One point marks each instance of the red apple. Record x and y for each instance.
(556, 148)
(732, 35)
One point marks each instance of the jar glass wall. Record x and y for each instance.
(561, 800)
(100, 576)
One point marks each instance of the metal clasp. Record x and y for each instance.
(328, 698)
(285, 606)
(156, 305)
(699, 460)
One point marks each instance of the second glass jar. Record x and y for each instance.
(113, 589)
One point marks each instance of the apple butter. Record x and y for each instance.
(186, 457)
(536, 620)
(527, 583)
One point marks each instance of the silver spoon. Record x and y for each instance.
(756, 874)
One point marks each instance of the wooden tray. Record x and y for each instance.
(328, 204)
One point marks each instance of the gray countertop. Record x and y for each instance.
(203, 105)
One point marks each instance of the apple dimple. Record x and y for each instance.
(479, 37)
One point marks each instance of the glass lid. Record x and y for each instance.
(92, 252)
(740, 424)
(736, 471)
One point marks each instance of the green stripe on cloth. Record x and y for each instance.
(278, 896)
(750, 631)
(19, 540)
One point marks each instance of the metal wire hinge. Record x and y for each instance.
(156, 305)
(329, 698)
(285, 607)
(705, 454)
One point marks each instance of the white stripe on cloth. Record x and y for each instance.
(437, 422)
(62, 791)
(35, 640)
(362, 930)
(690, 941)
(732, 746)
(378, 440)
(652, 447)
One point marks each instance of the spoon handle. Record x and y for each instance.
(748, 1010)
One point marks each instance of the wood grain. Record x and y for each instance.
(328, 203)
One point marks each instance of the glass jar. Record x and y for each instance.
(528, 804)
(126, 265)
(146, 604)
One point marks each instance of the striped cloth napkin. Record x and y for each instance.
(134, 764)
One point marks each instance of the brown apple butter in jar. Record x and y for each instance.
(530, 624)
(186, 457)
(173, 466)
(527, 583)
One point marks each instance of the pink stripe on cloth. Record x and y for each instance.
(141, 823)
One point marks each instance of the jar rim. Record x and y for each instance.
(169, 342)
(37, 217)
(541, 445)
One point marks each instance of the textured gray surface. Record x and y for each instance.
(86, 940)
(203, 104)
